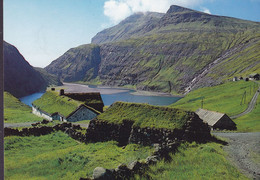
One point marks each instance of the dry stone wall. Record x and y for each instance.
(194, 130)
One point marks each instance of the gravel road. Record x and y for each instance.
(244, 151)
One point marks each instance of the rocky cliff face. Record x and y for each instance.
(77, 64)
(163, 52)
(50, 79)
(20, 78)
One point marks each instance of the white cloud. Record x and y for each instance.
(205, 10)
(118, 10)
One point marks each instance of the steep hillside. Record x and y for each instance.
(20, 78)
(168, 53)
(133, 26)
(49, 78)
(77, 64)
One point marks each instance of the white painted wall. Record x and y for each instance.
(39, 113)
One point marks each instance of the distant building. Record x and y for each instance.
(254, 76)
(83, 112)
(216, 120)
(90, 105)
(235, 79)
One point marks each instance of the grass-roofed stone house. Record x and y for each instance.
(216, 120)
(53, 106)
(146, 124)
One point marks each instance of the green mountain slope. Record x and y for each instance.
(168, 53)
(49, 78)
(77, 64)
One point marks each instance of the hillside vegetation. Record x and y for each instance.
(250, 122)
(51, 102)
(225, 98)
(77, 64)
(144, 115)
(17, 112)
(52, 80)
(165, 52)
(57, 156)
(196, 161)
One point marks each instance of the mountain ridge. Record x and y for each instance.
(20, 78)
(168, 55)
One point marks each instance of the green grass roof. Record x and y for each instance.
(145, 115)
(51, 102)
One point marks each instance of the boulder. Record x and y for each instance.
(152, 160)
(101, 173)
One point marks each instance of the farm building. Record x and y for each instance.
(52, 106)
(254, 76)
(216, 120)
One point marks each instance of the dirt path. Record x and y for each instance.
(251, 105)
(244, 151)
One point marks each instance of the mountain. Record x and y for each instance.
(50, 79)
(20, 78)
(77, 64)
(133, 26)
(173, 52)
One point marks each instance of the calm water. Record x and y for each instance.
(29, 99)
(108, 99)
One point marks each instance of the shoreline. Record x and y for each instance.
(71, 87)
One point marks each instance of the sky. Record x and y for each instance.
(43, 30)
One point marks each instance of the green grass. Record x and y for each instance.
(51, 102)
(250, 122)
(57, 156)
(17, 112)
(196, 161)
(145, 115)
(223, 98)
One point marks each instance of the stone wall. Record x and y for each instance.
(194, 130)
(41, 113)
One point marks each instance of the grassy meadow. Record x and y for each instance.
(195, 161)
(57, 156)
(225, 98)
(17, 112)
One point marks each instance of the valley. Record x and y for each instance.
(125, 105)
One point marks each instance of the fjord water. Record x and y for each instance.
(125, 96)
(29, 99)
(128, 97)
